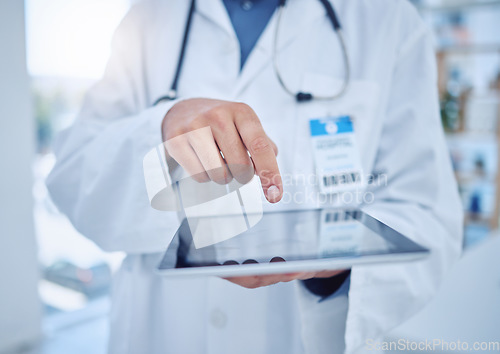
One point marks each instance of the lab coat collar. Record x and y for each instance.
(297, 16)
(215, 11)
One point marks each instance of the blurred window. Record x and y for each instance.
(68, 43)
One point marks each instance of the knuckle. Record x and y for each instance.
(195, 125)
(214, 113)
(198, 134)
(259, 145)
(246, 112)
(219, 122)
(243, 108)
(216, 117)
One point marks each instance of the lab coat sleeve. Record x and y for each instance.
(98, 179)
(416, 194)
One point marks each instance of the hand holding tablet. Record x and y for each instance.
(309, 243)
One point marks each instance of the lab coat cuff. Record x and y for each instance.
(326, 287)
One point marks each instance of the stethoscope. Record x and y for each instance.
(299, 96)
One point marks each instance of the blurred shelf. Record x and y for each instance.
(482, 136)
(471, 49)
(460, 5)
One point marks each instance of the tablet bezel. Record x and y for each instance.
(410, 251)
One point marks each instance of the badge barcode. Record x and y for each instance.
(336, 216)
(342, 178)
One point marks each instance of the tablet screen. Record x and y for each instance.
(284, 237)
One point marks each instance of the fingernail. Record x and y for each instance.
(273, 193)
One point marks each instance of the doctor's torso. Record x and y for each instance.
(309, 58)
(212, 315)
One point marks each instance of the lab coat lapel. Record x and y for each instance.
(290, 29)
(215, 11)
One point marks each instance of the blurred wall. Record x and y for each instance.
(19, 304)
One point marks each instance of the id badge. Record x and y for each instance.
(336, 155)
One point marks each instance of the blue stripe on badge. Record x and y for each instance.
(331, 125)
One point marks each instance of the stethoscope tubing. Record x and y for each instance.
(305, 96)
(299, 96)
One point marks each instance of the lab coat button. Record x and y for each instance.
(218, 318)
(246, 5)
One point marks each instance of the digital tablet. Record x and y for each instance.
(286, 242)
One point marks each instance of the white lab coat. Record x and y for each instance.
(98, 179)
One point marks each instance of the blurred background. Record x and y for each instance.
(54, 50)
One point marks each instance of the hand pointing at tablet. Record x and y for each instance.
(220, 140)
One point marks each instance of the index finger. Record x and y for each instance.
(262, 153)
